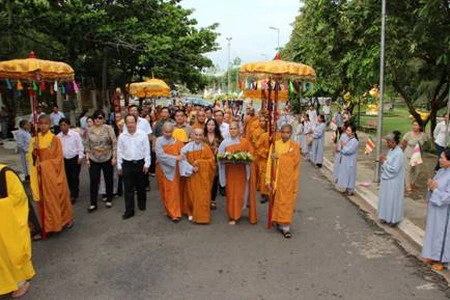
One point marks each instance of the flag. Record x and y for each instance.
(416, 156)
(370, 146)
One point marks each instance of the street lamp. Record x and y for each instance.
(229, 62)
(380, 107)
(278, 32)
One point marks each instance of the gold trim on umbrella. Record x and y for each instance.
(149, 88)
(279, 70)
(32, 68)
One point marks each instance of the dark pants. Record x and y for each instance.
(439, 150)
(214, 188)
(73, 175)
(133, 179)
(94, 174)
(153, 164)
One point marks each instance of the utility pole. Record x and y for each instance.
(380, 105)
(278, 36)
(229, 67)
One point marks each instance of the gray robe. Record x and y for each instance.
(167, 162)
(318, 144)
(391, 198)
(337, 157)
(436, 245)
(347, 165)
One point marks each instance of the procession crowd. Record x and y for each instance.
(195, 153)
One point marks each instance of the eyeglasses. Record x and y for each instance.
(99, 118)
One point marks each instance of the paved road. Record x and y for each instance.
(335, 253)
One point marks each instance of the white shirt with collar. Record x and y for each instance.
(142, 124)
(439, 133)
(71, 144)
(55, 117)
(133, 147)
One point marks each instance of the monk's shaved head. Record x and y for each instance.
(198, 130)
(197, 135)
(168, 126)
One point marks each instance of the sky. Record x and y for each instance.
(247, 22)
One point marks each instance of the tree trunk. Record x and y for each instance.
(104, 73)
(408, 102)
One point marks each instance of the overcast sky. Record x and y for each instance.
(247, 22)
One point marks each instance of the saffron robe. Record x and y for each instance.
(15, 242)
(250, 124)
(285, 183)
(168, 175)
(436, 245)
(56, 194)
(239, 180)
(199, 184)
(391, 197)
(262, 152)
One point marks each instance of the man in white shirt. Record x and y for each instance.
(439, 138)
(133, 161)
(73, 152)
(224, 127)
(326, 110)
(56, 116)
(144, 125)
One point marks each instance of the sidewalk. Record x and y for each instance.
(10, 158)
(415, 206)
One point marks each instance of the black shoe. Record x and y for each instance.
(142, 208)
(27, 178)
(264, 199)
(127, 215)
(222, 191)
(319, 165)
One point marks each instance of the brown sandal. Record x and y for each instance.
(23, 289)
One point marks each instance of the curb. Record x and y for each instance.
(406, 227)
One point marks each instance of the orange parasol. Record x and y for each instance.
(149, 88)
(32, 68)
(276, 71)
(36, 70)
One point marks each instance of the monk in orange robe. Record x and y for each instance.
(167, 172)
(200, 120)
(239, 179)
(284, 157)
(47, 155)
(261, 142)
(251, 122)
(201, 162)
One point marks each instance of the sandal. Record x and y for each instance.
(69, 225)
(37, 237)
(213, 205)
(175, 220)
(287, 234)
(108, 204)
(232, 222)
(438, 267)
(92, 208)
(23, 289)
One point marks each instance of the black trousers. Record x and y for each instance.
(94, 174)
(133, 179)
(153, 162)
(214, 187)
(73, 175)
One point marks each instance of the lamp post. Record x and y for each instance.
(229, 62)
(380, 105)
(278, 36)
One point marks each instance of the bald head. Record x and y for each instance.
(197, 135)
(167, 130)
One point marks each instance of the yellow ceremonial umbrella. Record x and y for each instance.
(275, 72)
(36, 70)
(149, 88)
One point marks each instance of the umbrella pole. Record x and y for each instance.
(39, 175)
(273, 168)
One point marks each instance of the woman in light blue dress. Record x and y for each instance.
(347, 165)
(391, 199)
(436, 245)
